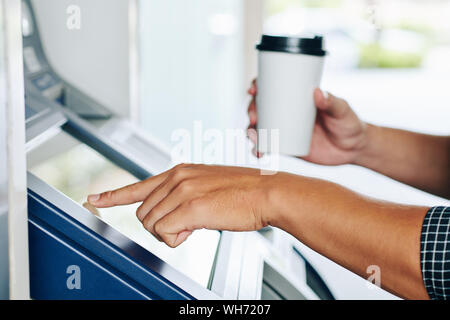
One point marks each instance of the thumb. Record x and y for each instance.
(334, 106)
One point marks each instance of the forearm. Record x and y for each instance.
(419, 160)
(354, 231)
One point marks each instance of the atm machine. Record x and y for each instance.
(76, 146)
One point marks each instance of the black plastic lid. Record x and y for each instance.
(310, 46)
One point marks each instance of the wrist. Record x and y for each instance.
(283, 197)
(271, 193)
(367, 152)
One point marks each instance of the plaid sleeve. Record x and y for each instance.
(435, 252)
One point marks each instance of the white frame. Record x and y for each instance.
(134, 63)
(19, 284)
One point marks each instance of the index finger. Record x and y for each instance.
(132, 193)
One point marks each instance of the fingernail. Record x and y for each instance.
(93, 198)
(326, 95)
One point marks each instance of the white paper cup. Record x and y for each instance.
(289, 69)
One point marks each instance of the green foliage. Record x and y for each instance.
(375, 56)
(420, 28)
(277, 6)
(321, 3)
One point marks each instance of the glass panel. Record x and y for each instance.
(81, 171)
(192, 65)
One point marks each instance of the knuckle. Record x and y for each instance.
(186, 186)
(147, 223)
(108, 196)
(178, 174)
(196, 203)
(159, 228)
(170, 241)
(155, 212)
(180, 166)
(147, 226)
(140, 213)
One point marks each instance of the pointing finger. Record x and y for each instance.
(127, 195)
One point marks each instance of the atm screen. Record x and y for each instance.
(79, 171)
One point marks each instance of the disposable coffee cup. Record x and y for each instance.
(289, 69)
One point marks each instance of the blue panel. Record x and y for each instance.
(52, 274)
(57, 241)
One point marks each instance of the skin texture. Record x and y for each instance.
(353, 230)
(340, 137)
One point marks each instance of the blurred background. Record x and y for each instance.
(389, 59)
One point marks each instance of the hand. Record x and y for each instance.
(339, 135)
(190, 197)
(332, 220)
